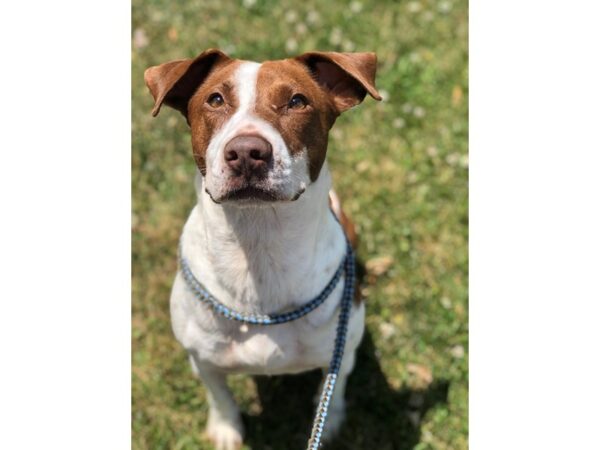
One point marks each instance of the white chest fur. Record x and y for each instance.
(263, 260)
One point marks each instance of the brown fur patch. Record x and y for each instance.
(347, 77)
(205, 120)
(173, 83)
(350, 231)
(277, 83)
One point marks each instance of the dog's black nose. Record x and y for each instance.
(248, 155)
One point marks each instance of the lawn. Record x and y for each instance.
(401, 167)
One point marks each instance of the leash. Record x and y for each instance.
(346, 266)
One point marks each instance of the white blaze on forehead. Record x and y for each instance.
(245, 84)
(244, 78)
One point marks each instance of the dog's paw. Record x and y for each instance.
(224, 435)
(335, 419)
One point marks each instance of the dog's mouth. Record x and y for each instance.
(253, 194)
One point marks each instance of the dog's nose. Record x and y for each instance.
(248, 155)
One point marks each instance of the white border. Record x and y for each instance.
(64, 226)
(534, 215)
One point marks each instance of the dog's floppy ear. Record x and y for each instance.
(348, 77)
(173, 83)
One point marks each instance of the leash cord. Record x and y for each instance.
(206, 297)
(320, 419)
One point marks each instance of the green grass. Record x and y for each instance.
(401, 167)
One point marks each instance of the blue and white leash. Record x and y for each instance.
(346, 266)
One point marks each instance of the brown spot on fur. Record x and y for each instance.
(347, 77)
(307, 128)
(347, 224)
(350, 230)
(185, 85)
(205, 120)
(331, 82)
(173, 83)
(352, 236)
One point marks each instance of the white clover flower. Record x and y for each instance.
(248, 3)
(363, 166)
(412, 177)
(458, 351)
(385, 95)
(172, 122)
(228, 48)
(453, 159)
(387, 330)
(398, 122)
(291, 45)
(313, 17)
(140, 39)
(291, 16)
(348, 45)
(419, 112)
(157, 15)
(427, 436)
(335, 38)
(337, 133)
(414, 7)
(432, 151)
(446, 302)
(301, 28)
(356, 7)
(444, 6)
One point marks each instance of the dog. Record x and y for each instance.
(262, 238)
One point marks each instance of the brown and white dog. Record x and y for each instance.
(262, 238)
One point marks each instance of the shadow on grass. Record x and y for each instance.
(378, 417)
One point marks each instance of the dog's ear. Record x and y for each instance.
(173, 83)
(348, 77)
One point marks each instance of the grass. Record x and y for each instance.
(401, 167)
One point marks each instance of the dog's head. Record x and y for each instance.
(259, 131)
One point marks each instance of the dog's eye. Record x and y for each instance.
(215, 100)
(298, 101)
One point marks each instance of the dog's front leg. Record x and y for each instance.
(224, 427)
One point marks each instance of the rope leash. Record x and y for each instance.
(338, 352)
(347, 267)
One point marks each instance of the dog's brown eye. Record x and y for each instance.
(215, 100)
(298, 101)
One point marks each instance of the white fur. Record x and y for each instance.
(261, 260)
(290, 173)
(267, 258)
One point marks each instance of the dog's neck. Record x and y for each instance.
(258, 257)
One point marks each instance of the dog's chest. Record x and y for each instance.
(262, 274)
(287, 349)
(297, 346)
